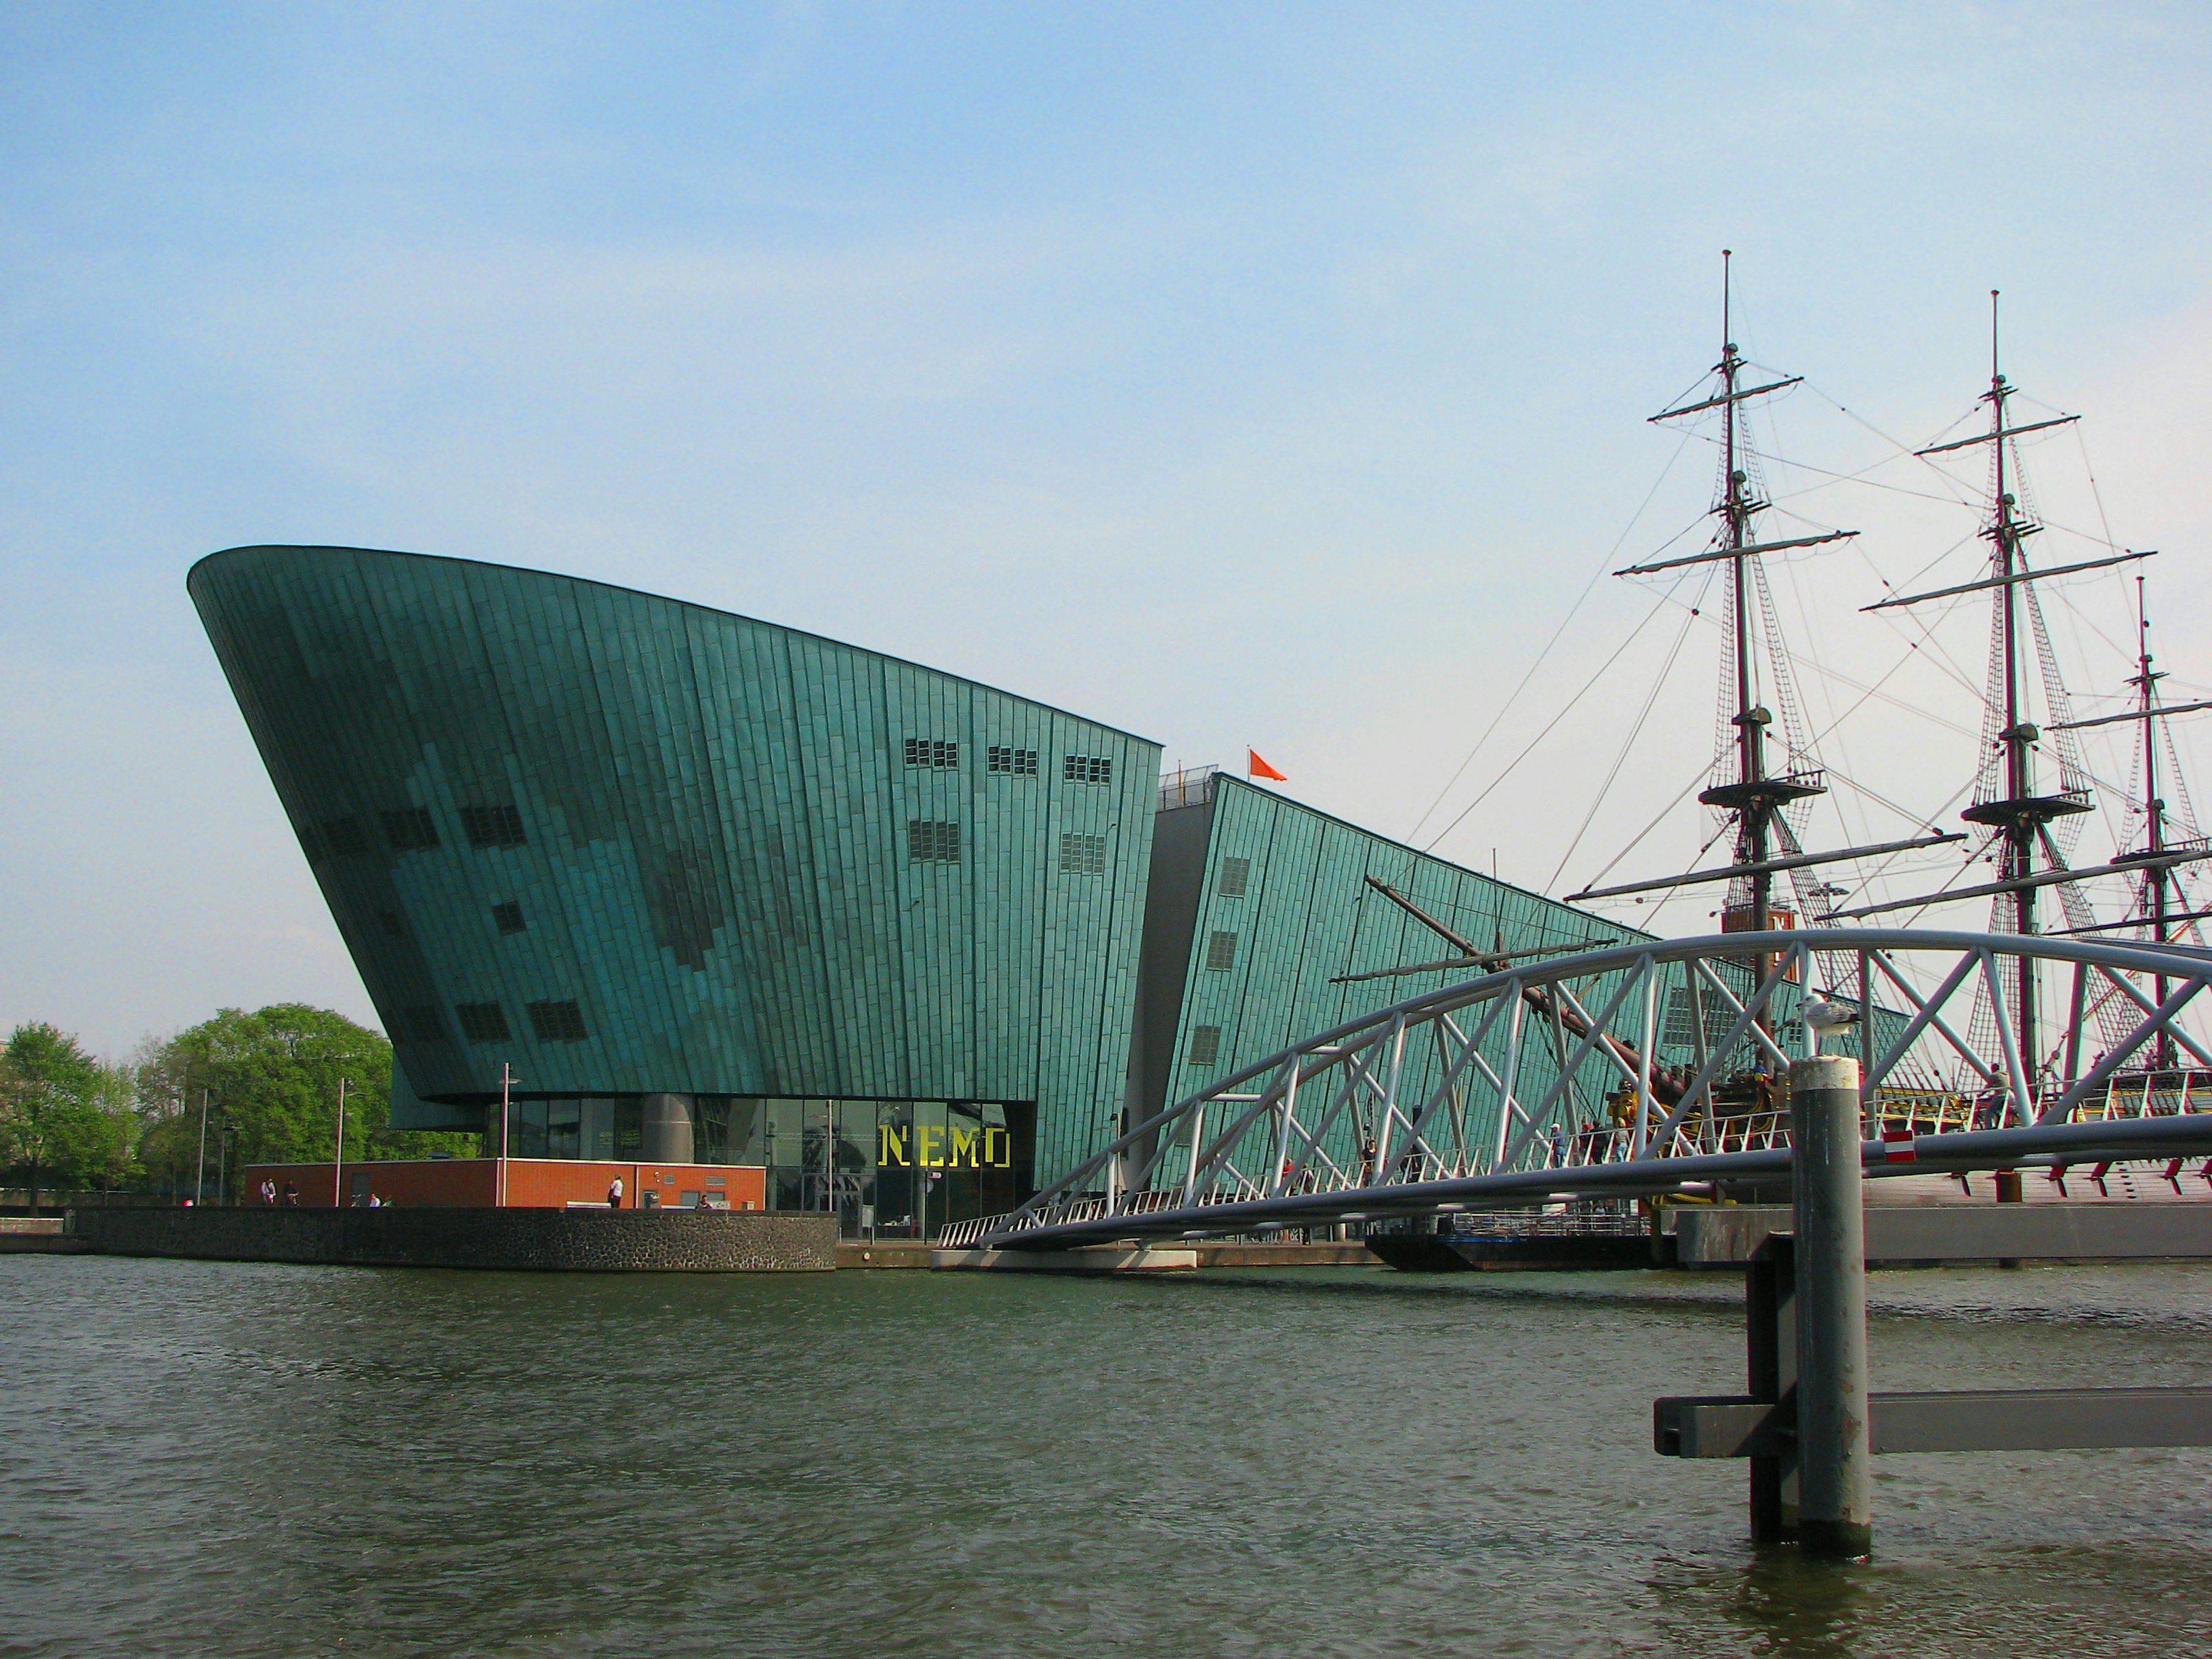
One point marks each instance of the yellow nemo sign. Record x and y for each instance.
(936, 1148)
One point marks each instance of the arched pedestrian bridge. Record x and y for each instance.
(1658, 1068)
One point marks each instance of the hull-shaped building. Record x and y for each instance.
(709, 888)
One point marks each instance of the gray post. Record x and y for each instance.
(1835, 1516)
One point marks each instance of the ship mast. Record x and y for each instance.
(1754, 796)
(2019, 815)
(2006, 800)
(2158, 875)
(2160, 856)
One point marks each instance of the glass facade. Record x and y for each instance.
(891, 1168)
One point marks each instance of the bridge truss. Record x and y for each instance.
(1655, 1067)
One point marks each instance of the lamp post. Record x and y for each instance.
(507, 1082)
(199, 1177)
(223, 1132)
(337, 1169)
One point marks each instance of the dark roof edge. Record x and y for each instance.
(661, 599)
(1480, 875)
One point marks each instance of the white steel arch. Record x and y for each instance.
(1477, 1094)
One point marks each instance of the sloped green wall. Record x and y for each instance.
(716, 862)
(1307, 917)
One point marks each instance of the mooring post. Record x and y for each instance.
(1835, 1515)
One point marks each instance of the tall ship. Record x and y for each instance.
(2032, 795)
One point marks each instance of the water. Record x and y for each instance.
(215, 1458)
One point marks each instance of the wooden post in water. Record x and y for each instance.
(1835, 1515)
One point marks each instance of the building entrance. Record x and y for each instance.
(891, 1168)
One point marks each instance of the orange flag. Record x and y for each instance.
(1256, 767)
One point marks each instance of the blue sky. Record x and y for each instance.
(1269, 374)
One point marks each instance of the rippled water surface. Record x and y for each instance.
(201, 1458)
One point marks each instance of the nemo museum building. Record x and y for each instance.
(715, 892)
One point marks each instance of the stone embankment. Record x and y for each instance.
(557, 1241)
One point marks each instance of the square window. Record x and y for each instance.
(557, 1021)
(1016, 762)
(1087, 768)
(1221, 953)
(410, 829)
(493, 826)
(508, 918)
(928, 841)
(423, 1024)
(481, 1022)
(933, 752)
(1235, 873)
(1204, 1044)
(338, 838)
(1082, 855)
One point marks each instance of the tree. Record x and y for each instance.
(272, 1078)
(64, 1116)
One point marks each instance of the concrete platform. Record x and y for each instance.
(36, 1235)
(1092, 1259)
(1198, 1254)
(883, 1254)
(1435, 1253)
(1961, 1234)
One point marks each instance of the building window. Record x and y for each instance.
(1680, 1028)
(930, 842)
(508, 918)
(1235, 873)
(1020, 762)
(410, 829)
(557, 1021)
(1221, 953)
(424, 1024)
(493, 826)
(1087, 768)
(338, 838)
(481, 1022)
(1082, 855)
(932, 752)
(1204, 1044)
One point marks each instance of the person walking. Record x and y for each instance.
(291, 1196)
(614, 1193)
(268, 1191)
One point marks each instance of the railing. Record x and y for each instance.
(1187, 785)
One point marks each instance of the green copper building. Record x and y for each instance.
(718, 890)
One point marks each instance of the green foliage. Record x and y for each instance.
(271, 1081)
(65, 1118)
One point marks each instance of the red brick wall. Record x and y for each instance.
(531, 1182)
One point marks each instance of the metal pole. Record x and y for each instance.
(1835, 1516)
(337, 1169)
(199, 1179)
(506, 1086)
